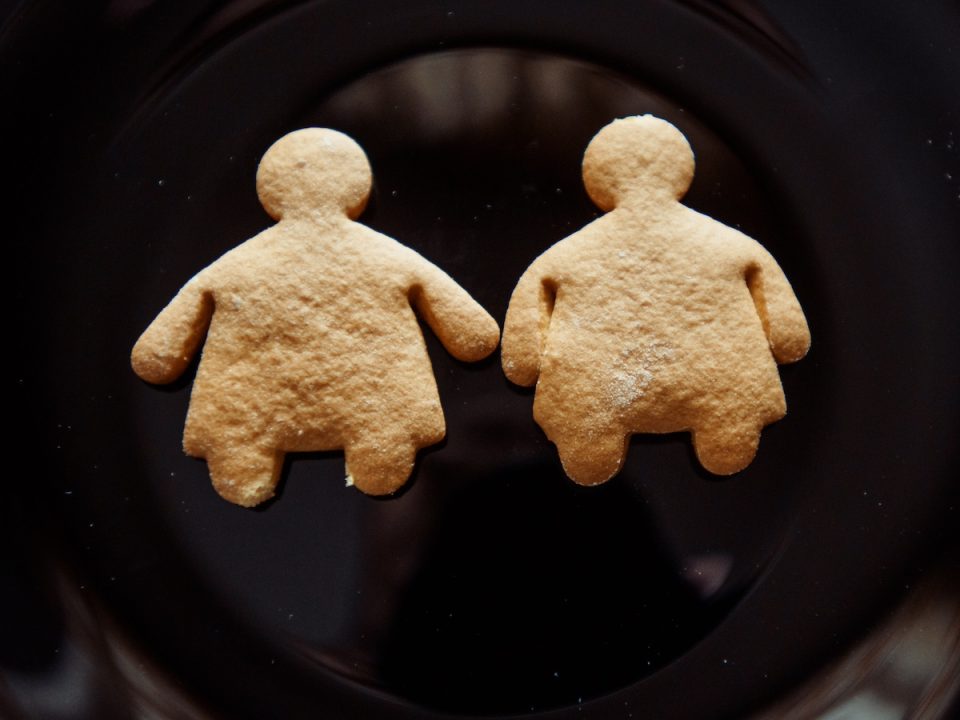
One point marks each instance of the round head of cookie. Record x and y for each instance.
(637, 157)
(314, 171)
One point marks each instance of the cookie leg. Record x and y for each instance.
(592, 456)
(724, 446)
(245, 475)
(380, 467)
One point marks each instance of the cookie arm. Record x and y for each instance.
(525, 328)
(783, 320)
(166, 347)
(467, 331)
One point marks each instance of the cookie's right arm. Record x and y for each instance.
(780, 313)
(525, 328)
(467, 331)
(166, 347)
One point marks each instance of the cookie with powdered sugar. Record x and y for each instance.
(651, 319)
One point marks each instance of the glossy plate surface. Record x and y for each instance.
(492, 585)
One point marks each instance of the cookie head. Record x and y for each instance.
(314, 170)
(637, 156)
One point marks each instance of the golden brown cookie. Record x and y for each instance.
(312, 342)
(651, 319)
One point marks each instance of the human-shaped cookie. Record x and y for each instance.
(312, 342)
(651, 319)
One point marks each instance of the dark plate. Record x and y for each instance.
(492, 585)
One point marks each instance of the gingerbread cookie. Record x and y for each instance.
(651, 319)
(312, 342)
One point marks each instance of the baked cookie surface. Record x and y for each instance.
(310, 339)
(651, 319)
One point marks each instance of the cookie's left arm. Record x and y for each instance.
(166, 347)
(467, 331)
(528, 319)
(783, 320)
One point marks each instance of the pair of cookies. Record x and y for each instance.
(653, 318)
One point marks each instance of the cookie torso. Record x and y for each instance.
(653, 326)
(313, 339)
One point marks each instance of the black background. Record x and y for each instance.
(492, 585)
